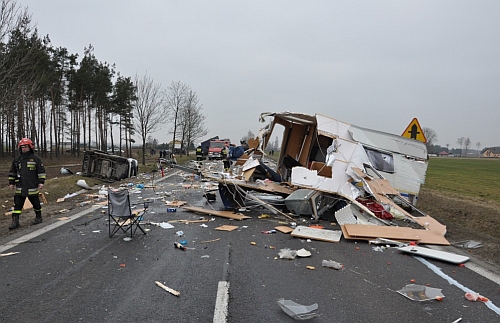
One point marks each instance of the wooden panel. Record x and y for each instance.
(224, 214)
(395, 233)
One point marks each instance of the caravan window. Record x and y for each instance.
(381, 161)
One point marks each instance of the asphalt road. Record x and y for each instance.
(71, 271)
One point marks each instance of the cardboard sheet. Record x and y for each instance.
(175, 203)
(284, 229)
(227, 228)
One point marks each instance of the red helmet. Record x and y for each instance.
(26, 141)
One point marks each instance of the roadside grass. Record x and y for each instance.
(471, 177)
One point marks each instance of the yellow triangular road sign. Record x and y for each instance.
(414, 131)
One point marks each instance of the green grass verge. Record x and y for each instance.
(473, 177)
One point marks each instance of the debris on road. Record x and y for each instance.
(298, 311)
(332, 264)
(435, 254)
(9, 254)
(475, 297)
(168, 289)
(421, 292)
(317, 234)
(227, 227)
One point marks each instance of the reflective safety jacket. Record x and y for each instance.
(26, 172)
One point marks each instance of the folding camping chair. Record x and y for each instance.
(120, 215)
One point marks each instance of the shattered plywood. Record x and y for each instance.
(394, 233)
(381, 188)
(224, 214)
(317, 234)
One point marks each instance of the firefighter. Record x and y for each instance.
(27, 177)
(199, 153)
(225, 157)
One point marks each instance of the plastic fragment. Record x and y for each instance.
(421, 293)
(475, 297)
(332, 264)
(179, 246)
(298, 311)
(287, 253)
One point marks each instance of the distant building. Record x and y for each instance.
(443, 154)
(491, 152)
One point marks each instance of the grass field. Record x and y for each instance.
(472, 177)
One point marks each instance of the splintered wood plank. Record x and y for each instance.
(317, 234)
(168, 289)
(224, 214)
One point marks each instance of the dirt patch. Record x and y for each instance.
(466, 219)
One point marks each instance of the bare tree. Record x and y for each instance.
(478, 145)
(467, 143)
(460, 141)
(149, 109)
(192, 121)
(250, 135)
(176, 96)
(431, 137)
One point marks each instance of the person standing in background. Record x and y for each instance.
(27, 177)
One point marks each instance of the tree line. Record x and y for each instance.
(64, 102)
(465, 144)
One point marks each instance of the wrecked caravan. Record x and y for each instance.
(338, 172)
(108, 167)
(329, 148)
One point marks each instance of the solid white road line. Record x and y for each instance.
(45, 229)
(221, 303)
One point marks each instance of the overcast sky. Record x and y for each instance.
(376, 64)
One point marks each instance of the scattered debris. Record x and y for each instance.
(178, 245)
(317, 234)
(164, 225)
(83, 183)
(303, 253)
(168, 289)
(332, 264)
(284, 229)
(9, 254)
(298, 311)
(435, 254)
(66, 171)
(421, 292)
(287, 253)
(468, 244)
(311, 267)
(224, 214)
(475, 297)
(227, 227)
(210, 241)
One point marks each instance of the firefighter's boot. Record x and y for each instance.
(15, 222)
(38, 218)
